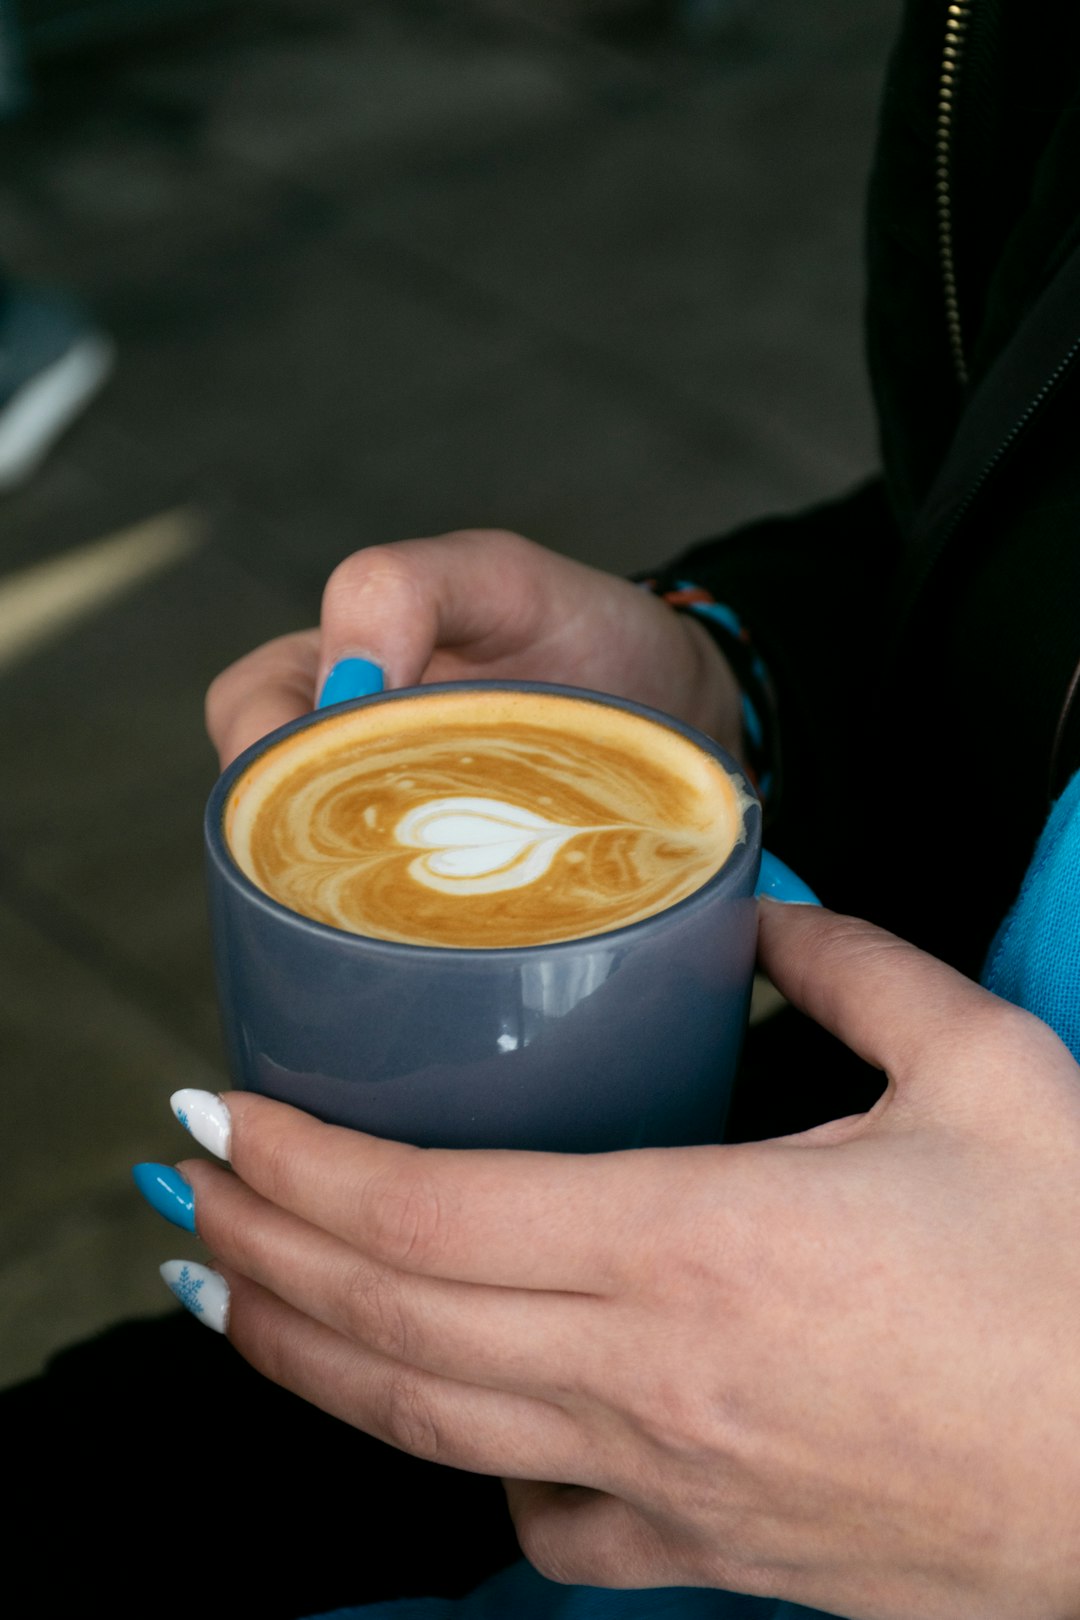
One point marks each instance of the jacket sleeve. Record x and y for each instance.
(814, 592)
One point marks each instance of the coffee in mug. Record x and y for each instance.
(484, 818)
(566, 966)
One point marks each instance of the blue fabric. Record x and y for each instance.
(519, 1592)
(1034, 962)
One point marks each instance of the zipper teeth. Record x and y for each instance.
(956, 22)
(986, 472)
(1034, 404)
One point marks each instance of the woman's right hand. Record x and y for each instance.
(481, 605)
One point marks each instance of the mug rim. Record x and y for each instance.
(225, 863)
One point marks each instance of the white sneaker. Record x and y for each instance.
(52, 364)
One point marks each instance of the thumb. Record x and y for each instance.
(891, 1003)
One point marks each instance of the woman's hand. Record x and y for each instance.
(481, 605)
(840, 1367)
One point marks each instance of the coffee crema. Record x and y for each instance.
(483, 818)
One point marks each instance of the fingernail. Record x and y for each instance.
(166, 1191)
(350, 678)
(203, 1292)
(778, 882)
(205, 1117)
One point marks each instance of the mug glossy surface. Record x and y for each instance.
(624, 1039)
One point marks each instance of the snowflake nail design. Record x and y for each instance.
(186, 1288)
(203, 1292)
(206, 1117)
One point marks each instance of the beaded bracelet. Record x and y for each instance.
(761, 744)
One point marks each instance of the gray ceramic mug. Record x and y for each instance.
(625, 1039)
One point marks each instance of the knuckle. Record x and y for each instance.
(1018, 1030)
(505, 538)
(1004, 1035)
(667, 1418)
(375, 1313)
(264, 1348)
(229, 1237)
(989, 1018)
(404, 1215)
(376, 571)
(500, 552)
(407, 1421)
(255, 1331)
(274, 1176)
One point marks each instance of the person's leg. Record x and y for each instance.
(156, 1441)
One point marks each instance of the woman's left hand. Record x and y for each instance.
(840, 1367)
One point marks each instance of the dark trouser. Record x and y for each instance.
(156, 1442)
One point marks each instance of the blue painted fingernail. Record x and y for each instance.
(166, 1191)
(350, 678)
(778, 882)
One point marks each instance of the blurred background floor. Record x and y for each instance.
(374, 268)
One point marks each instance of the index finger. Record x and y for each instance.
(264, 690)
(890, 1002)
(508, 1219)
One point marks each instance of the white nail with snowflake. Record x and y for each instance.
(206, 1117)
(203, 1292)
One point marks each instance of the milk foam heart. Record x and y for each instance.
(480, 845)
(483, 818)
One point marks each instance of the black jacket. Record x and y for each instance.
(927, 722)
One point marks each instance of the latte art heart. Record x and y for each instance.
(479, 846)
(483, 818)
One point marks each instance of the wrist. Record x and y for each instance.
(717, 703)
(735, 700)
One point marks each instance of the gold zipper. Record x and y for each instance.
(955, 27)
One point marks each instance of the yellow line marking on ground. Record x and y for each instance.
(39, 603)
